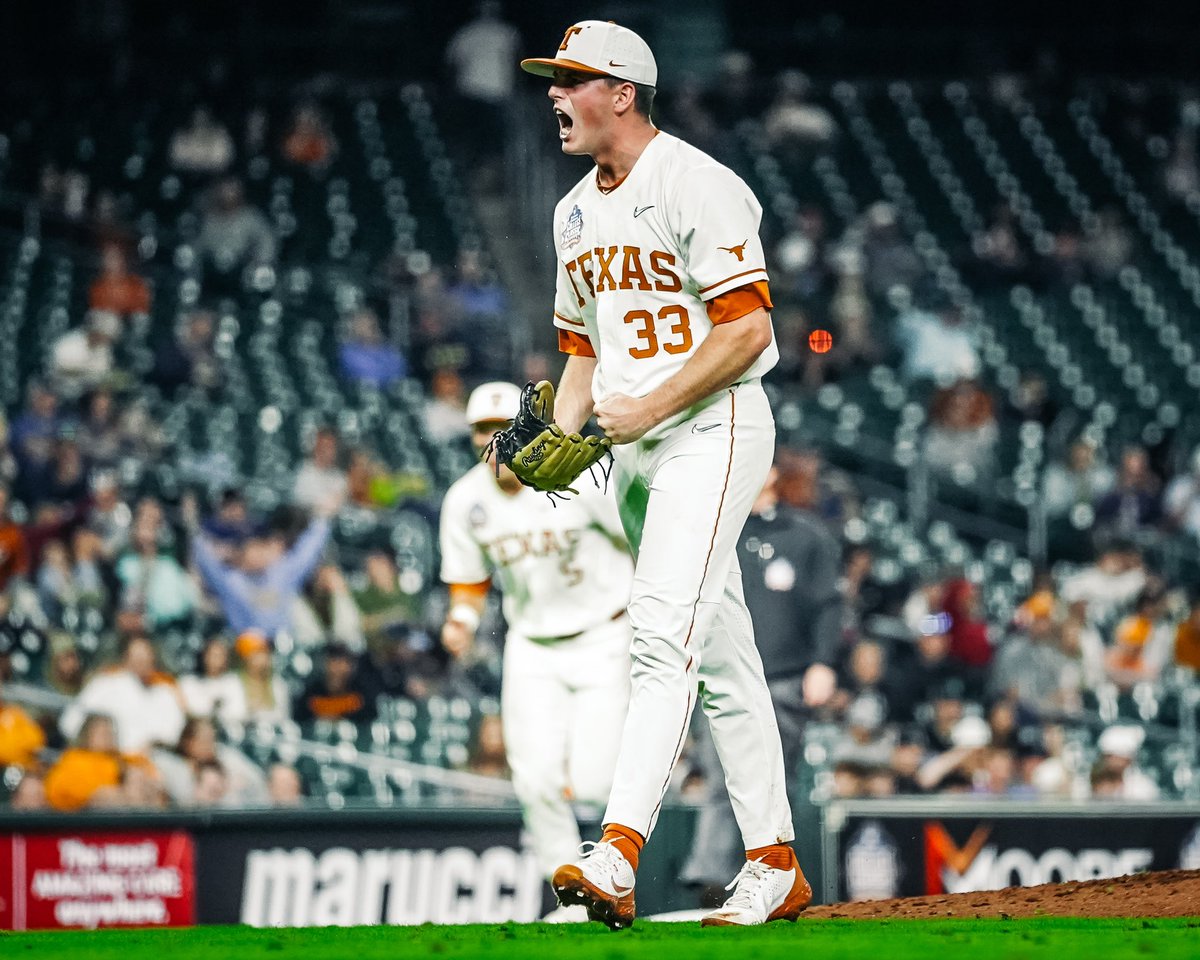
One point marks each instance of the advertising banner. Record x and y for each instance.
(888, 854)
(86, 880)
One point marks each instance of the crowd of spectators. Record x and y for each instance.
(163, 622)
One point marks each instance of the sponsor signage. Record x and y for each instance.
(344, 877)
(90, 880)
(892, 854)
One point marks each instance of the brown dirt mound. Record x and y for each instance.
(1169, 893)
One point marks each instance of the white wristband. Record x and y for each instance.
(465, 614)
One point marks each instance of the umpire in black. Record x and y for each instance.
(790, 566)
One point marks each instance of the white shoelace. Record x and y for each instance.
(749, 883)
(605, 856)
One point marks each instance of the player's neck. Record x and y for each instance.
(614, 162)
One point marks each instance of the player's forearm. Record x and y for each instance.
(727, 353)
(573, 399)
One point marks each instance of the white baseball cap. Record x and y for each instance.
(602, 48)
(493, 402)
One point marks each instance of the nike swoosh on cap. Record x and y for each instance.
(613, 63)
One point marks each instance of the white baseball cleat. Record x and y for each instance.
(762, 894)
(576, 913)
(602, 880)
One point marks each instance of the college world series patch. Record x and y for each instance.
(573, 230)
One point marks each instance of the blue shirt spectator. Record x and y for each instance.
(366, 356)
(259, 593)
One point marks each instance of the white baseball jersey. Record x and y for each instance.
(638, 263)
(557, 566)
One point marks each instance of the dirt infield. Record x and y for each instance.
(1170, 893)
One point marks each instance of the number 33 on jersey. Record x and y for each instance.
(647, 267)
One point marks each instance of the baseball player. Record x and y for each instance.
(564, 572)
(662, 306)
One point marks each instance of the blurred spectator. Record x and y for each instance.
(8, 462)
(341, 690)
(14, 549)
(1187, 637)
(793, 124)
(1181, 174)
(970, 645)
(1032, 669)
(1135, 500)
(488, 757)
(94, 773)
(365, 356)
(1000, 255)
(917, 672)
(212, 786)
(118, 290)
(153, 582)
(242, 783)
(866, 741)
(64, 667)
(735, 92)
(82, 358)
(109, 517)
(1182, 499)
(230, 524)
(961, 760)
(962, 434)
(404, 658)
(1142, 641)
(100, 438)
(21, 739)
(68, 483)
(29, 796)
(1108, 246)
(1117, 772)
(806, 483)
(66, 583)
(284, 787)
(260, 591)
(143, 703)
(234, 234)
(936, 344)
(475, 296)
(33, 435)
(1078, 480)
(446, 413)
(1031, 400)
(1064, 266)
(204, 147)
(309, 141)
(263, 693)
(890, 259)
(801, 268)
(1108, 584)
(188, 358)
(325, 613)
(320, 478)
(207, 691)
(482, 55)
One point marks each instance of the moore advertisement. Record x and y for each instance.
(884, 851)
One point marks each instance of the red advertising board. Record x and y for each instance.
(56, 881)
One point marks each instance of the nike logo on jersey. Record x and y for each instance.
(638, 211)
(705, 427)
(738, 251)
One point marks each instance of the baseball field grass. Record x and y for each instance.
(1032, 939)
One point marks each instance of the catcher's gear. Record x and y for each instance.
(538, 451)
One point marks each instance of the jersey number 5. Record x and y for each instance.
(681, 330)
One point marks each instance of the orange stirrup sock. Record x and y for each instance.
(629, 842)
(777, 855)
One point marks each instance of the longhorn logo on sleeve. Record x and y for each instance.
(738, 250)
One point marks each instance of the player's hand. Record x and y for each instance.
(623, 418)
(457, 638)
(819, 685)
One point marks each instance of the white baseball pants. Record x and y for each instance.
(562, 706)
(684, 500)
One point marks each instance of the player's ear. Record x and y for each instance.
(624, 97)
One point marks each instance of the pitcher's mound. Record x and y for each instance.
(1169, 893)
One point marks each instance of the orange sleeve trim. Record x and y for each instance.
(576, 344)
(744, 273)
(738, 302)
(467, 591)
(574, 323)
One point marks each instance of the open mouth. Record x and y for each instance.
(565, 124)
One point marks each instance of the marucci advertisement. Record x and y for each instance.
(900, 855)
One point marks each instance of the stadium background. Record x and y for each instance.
(996, 214)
